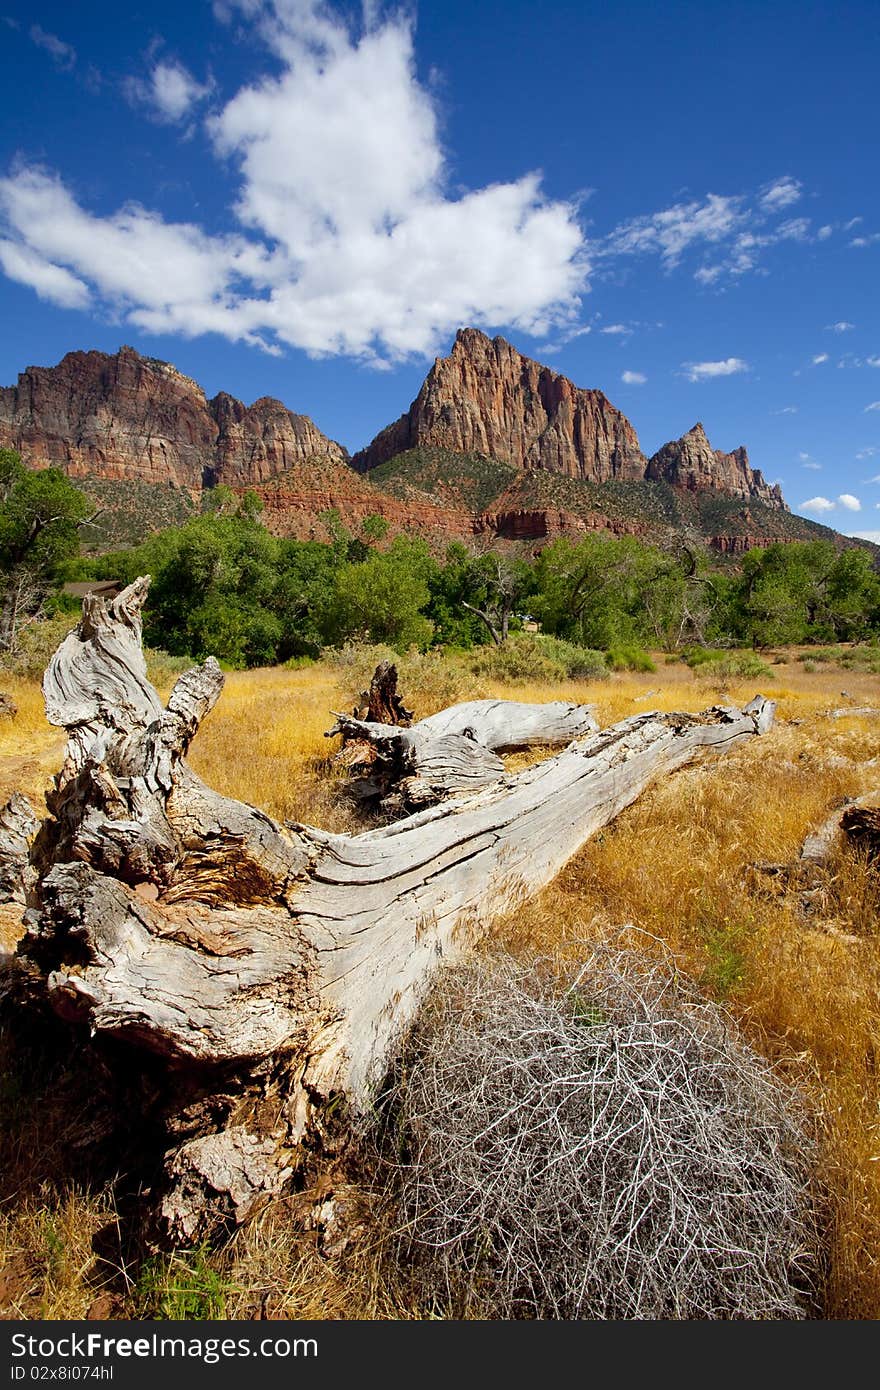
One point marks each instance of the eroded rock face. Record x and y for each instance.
(489, 399)
(128, 416)
(691, 462)
(486, 398)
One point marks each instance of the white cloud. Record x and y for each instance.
(633, 378)
(51, 282)
(874, 361)
(349, 239)
(875, 405)
(786, 410)
(851, 503)
(739, 228)
(780, 194)
(616, 330)
(820, 358)
(61, 53)
(817, 504)
(861, 241)
(824, 233)
(170, 91)
(705, 371)
(674, 230)
(842, 326)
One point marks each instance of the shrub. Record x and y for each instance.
(737, 666)
(611, 1149)
(699, 656)
(574, 662)
(629, 659)
(34, 646)
(521, 658)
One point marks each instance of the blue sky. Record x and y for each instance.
(677, 204)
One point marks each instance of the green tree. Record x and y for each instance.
(382, 598)
(40, 516)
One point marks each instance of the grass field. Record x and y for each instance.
(676, 865)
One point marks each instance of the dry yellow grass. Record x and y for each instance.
(675, 866)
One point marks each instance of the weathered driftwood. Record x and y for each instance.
(382, 704)
(280, 965)
(455, 751)
(18, 826)
(854, 818)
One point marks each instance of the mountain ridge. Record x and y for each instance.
(126, 423)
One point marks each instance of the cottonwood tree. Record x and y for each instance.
(41, 514)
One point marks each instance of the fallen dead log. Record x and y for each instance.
(856, 818)
(455, 751)
(18, 826)
(273, 968)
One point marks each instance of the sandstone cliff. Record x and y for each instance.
(131, 417)
(691, 462)
(486, 398)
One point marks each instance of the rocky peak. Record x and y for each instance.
(487, 398)
(126, 416)
(691, 462)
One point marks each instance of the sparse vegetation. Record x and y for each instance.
(802, 986)
(605, 1148)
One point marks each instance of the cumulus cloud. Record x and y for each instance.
(820, 358)
(633, 378)
(874, 361)
(51, 282)
(842, 326)
(861, 241)
(851, 503)
(61, 53)
(616, 330)
(349, 238)
(818, 505)
(705, 371)
(875, 405)
(170, 92)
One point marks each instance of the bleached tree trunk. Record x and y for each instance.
(282, 961)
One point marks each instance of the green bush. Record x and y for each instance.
(35, 645)
(863, 658)
(700, 656)
(521, 658)
(575, 662)
(738, 666)
(629, 659)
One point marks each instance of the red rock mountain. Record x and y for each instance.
(487, 398)
(691, 462)
(132, 417)
(134, 421)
